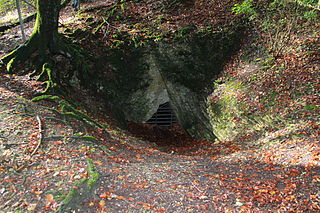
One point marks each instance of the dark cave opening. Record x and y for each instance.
(164, 130)
(164, 116)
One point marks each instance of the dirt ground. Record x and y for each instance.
(146, 169)
(136, 175)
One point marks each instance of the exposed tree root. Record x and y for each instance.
(47, 71)
(77, 58)
(41, 52)
(68, 110)
(81, 190)
(20, 54)
(43, 47)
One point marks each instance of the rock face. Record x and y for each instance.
(179, 71)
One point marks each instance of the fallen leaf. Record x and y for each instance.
(49, 198)
(121, 198)
(98, 163)
(238, 203)
(102, 203)
(105, 195)
(146, 206)
(38, 192)
(32, 207)
(272, 192)
(203, 197)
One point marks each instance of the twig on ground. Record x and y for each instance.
(28, 158)
(196, 187)
(40, 136)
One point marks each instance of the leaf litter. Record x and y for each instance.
(141, 173)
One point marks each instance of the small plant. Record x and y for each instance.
(309, 2)
(245, 8)
(278, 20)
(311, 107)
(311, 15)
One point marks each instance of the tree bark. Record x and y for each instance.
(46, 26)
(44, 42)
(21, 21)
(44, 37)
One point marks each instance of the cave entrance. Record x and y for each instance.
(164, 116)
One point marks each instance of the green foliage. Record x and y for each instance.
(309, 2)
(6, 3)
(311, 107)
(279, 20)
(7, 6)
(311, 15)
(245, 8)
(90, 138)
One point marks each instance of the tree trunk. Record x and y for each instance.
(44, 42)
(21, 21)
(46, 27)
(44, 37)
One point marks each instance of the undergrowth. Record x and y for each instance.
(269, 88)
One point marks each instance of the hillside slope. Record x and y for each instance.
(68, 154)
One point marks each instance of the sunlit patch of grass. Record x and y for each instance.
(10, 16)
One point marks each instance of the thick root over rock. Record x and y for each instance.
(47, 72)
(20, 54)
(42, 51)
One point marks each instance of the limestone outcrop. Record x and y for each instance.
(179, 71)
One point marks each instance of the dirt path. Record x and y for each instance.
(257, 173)
(135, 175)
(148, 180)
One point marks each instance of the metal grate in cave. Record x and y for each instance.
(164, 116)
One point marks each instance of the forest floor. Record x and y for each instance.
(148, 169)
(138, 175)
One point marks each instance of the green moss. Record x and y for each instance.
(90, 138)
(68, 109)
(93, 175)
(230, 117)
(47, 71)
(81, 190)
(191, 60)
(45, 97)
(195, 59)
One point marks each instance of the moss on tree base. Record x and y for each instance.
(35, 50)
(44, 43)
